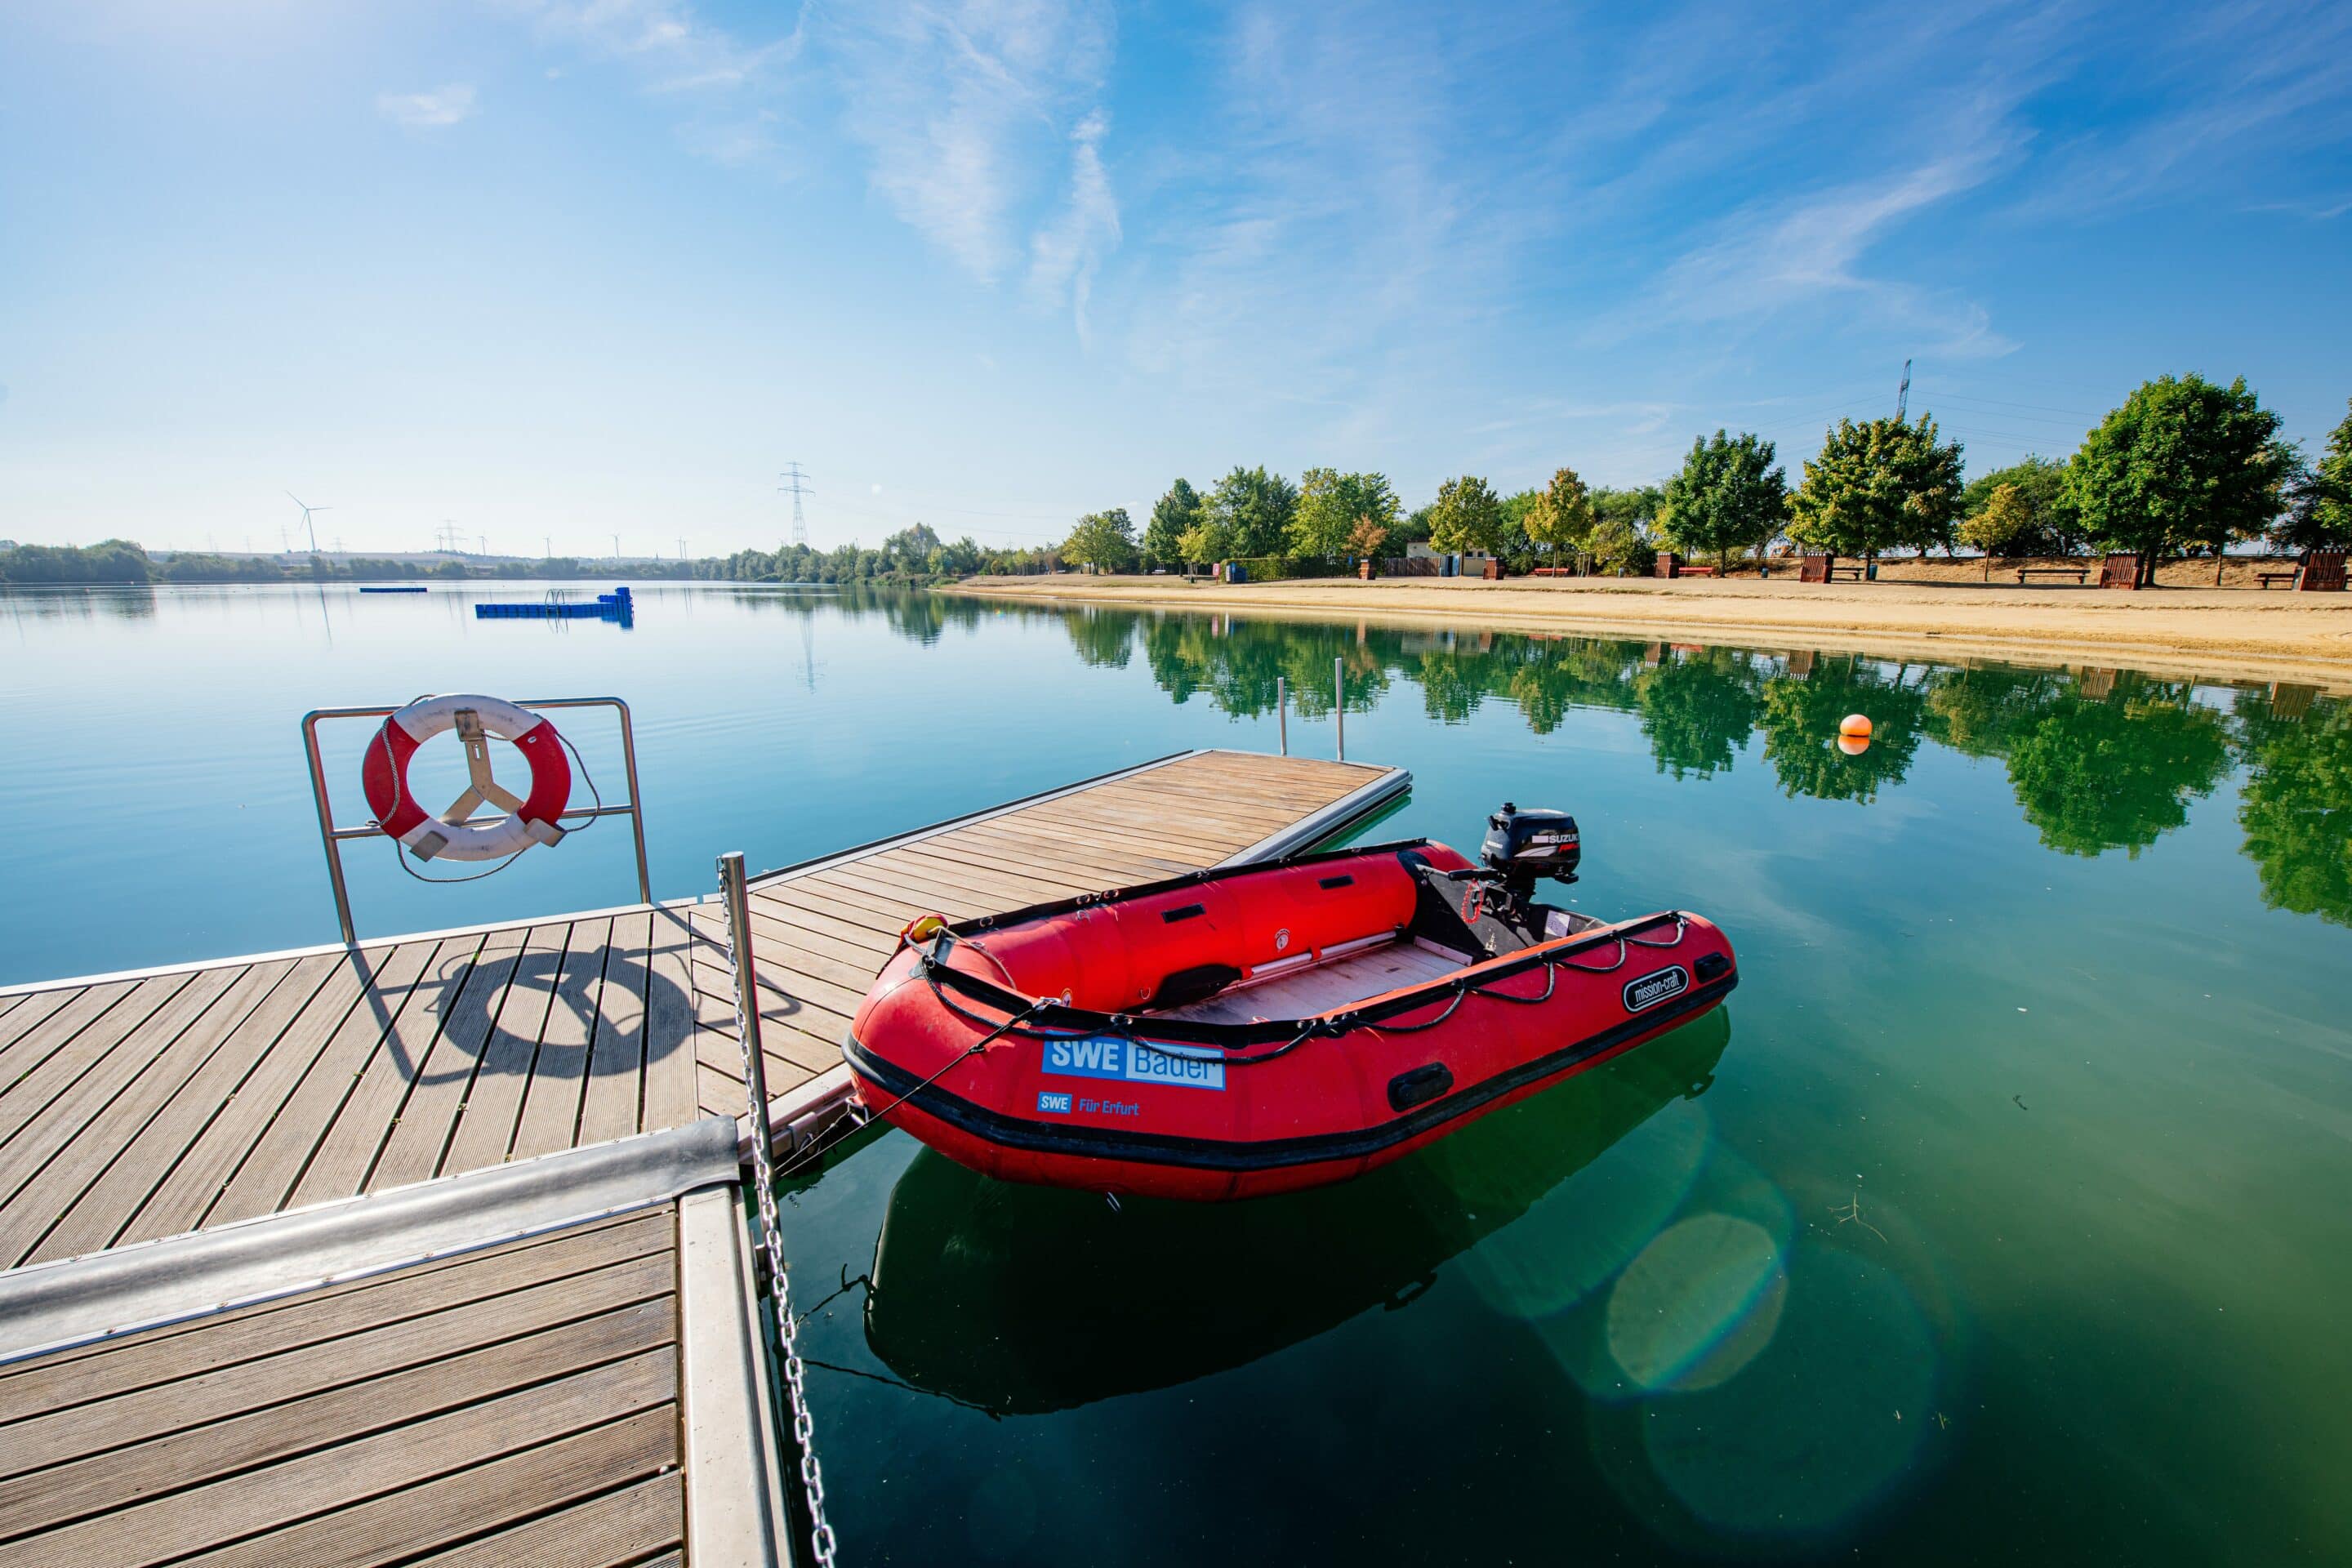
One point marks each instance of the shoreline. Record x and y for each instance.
(2226, 634)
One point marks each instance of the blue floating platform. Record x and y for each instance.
(615, 606)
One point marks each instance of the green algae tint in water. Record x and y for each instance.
(1999, 1216)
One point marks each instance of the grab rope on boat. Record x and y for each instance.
(933, 962)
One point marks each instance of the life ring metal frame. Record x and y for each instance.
(333, 834)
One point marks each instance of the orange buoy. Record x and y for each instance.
(1854, 726)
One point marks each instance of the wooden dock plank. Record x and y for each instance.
(446, 1509)
(137, 1138)
(616, 1054)
(427, 1119)
(358, 1129)
(50, 1061)
(672, 1081)
(104, 1370)
(224, 1511)
(197, 1183)
(40, 1005)
(296, 1094)
(557, 1086)
(486, 1123)
(57, 1137)
(358, 1350)
(68, 1488)
(628, 1526)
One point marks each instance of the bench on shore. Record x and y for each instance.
(2267, 578)
(1833, 572)
(1694, 572)
(2080, 573)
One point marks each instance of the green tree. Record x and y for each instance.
(1256, 506)
(1102, 540)
(1172, 515)
(2005, 526)
(1561, 515)
(1330, 504)
(1413, 529)
(2319, 509)
(1207, 542)
(2052, 526)
(2184, 464)
(1880, 485)
(1730, 495)
(1467, 517)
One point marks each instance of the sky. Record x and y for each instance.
(561, 275)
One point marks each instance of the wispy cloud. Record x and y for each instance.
(729, 92)
(428, 111)
(1062, 255)
(1805, 253)
(961, 108)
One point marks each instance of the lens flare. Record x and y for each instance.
(1578, 1235)
(1698, 1305)
(1822, 1425)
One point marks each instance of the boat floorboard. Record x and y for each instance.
(139, 1106)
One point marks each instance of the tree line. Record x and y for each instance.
(2184, 466)
(122, 561)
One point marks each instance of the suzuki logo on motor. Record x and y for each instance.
(1651, 989)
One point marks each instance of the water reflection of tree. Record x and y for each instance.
(1800, 715)
(1105, 639)
(2093, 772)
(1698, 711)
(1237, 663)
(2296, 809)
(2106, 762)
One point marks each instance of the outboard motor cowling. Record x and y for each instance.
(1524, 845)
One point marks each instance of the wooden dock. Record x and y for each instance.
(305, 1127)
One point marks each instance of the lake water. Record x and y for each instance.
(2001, 1215)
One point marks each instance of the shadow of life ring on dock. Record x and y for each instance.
(534, 819)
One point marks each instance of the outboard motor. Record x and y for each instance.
(1524, 845)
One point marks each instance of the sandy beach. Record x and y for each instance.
(2231, 633)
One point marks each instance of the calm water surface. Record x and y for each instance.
(1999, 1216)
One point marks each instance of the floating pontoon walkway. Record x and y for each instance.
(431, 1248)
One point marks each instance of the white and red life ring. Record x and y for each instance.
(533, 820)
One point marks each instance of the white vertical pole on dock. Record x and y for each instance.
(1282, 711)
(1339, 702)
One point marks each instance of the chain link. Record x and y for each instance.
(771, 1243)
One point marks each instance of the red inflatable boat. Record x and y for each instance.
(1261, 1029)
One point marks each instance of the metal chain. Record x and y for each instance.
(772, 1242)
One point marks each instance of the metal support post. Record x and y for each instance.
(1282, 712)
(1339, 702)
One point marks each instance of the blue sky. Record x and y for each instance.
(571, 271)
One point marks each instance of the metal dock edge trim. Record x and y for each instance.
(734, 1480)
(1334, 819)
(100, 1295)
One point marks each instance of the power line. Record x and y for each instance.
(796, 484)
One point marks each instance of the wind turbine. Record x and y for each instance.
(307, 510)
